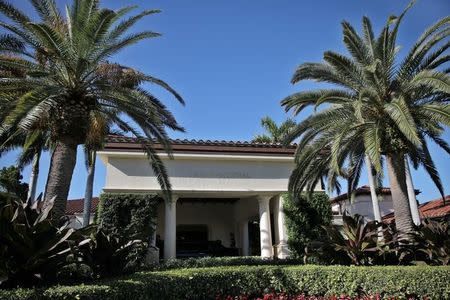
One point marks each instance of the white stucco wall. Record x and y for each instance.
(202, 173)
(76, 220)
(362, 205)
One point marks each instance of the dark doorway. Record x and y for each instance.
(192, 240)
(254, 238)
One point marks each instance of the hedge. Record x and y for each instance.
(206, 262)
(208, 283)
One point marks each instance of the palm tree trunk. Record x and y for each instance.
(399, 192)
(411, 195)
(34, 176)
(89, 188)
(373, 193)
(60, 174)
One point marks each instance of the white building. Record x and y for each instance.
(362, 204)
(220, 188)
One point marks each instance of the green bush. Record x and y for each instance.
(205, 262)
(304, 218)
(128, 215)
(206, 283)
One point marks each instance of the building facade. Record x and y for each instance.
(219, 190)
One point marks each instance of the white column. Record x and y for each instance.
(245, 241)
(411, 195)
(373, 194)
(170, 228)
(264, 226)
(283, 249)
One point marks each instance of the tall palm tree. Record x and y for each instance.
(274, 133)
(64, 87)
(382, 106)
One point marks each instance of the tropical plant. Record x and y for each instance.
(274, 133)
(433, 239)
(11, 183)
(381, 107)
(356, 238)
(61, 57)
(32, 249)
(106, 254)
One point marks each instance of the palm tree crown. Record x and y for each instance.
(275, 133)
(382, 106)
(64, 58)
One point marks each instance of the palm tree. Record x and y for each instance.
(32, 145)
(275, 134)
(382, 107)
(64, 86)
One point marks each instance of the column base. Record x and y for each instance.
(283, 251)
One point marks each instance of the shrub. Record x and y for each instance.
(204, 262)
(105, 255)
(304, 217)
(32, 248)
(432, 238)
(128, 215)
(404, 282)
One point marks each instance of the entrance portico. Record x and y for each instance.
(218, 188)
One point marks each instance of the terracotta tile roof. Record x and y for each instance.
(75, 206)
(363, 190)
(123, 143)
(431, 209)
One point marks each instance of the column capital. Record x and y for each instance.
(174, 199)
(262, 199)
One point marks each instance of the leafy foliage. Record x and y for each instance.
(380, 106)
(400, 282)
(357, 239)
(128, 215)
(207, 262)
(305, 216)
(11, 182)
(106, 254)
(433, 239)
(32, 248)
(56, 75)
(275, 134)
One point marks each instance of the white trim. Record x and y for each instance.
(209, 193)
(207, 156)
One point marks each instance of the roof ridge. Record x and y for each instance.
(211, 142)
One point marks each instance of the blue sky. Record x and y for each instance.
(232, 62)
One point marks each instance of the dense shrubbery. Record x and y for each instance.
(371, 243)
(130, 215)
(37, 250)
(305, 216)
(205, 262)
(32, 248)
(208, 283)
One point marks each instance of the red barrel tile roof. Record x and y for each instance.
(124, 143)
(431, 209)
(75, 206)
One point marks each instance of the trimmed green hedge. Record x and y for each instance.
(207, 283)
(207, 262)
